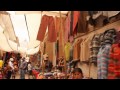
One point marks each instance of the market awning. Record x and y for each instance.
(18, 30)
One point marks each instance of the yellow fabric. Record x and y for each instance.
(1, 63)
(67, 51)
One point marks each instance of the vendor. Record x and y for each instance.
(47, 63)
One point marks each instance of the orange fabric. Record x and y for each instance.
(76, 50)
(61, 39)
(49, 50)
(75, 18)
(82, 50)
(47, 21)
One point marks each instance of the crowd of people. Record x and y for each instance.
(12, 67)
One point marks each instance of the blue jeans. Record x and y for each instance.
(22, 74)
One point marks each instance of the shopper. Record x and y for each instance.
(29, 69)
(10, 68)
(77, 73)
(23, 66)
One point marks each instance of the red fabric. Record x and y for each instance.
(67, 28)
(52, 34)
(35, 73)
(75, 18)
(114, 62)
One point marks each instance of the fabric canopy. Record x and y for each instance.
(18, 32)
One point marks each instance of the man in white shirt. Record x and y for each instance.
(11, 64)
(11, 68)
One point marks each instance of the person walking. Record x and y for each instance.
(10, 68)
(23, 66)
(29, 69)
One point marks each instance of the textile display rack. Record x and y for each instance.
(97, 31)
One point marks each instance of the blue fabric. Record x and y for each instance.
(102, 61)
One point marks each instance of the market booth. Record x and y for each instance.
(70, 34)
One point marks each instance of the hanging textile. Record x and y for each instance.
(94, 48)
(61, 38)
(67, 27)
(75, 19)
(82, 22)
(71, 53)
(49, 50)
(85, 45)
(103, 56)
(71, 23)
(102, 61)
(57, 24)
(114, 62)
(67, 51)
(76, 50)
(117, 37)
(52, 34)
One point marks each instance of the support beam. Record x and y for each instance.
(49, 13)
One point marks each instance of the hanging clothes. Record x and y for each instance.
(71, 23)
(75, 19)
(67, 28)
(49, 50)
(57, 24)
(114, 62)
(67, 51)
(82, 22)
(71, 53)
(103, 56)
(117, 37)
(86, 46)
(61, 36)
(102, 61)
(76, 50)
(52, 33)
(81, 50)
(94, 48)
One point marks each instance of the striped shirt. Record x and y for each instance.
(102, 61)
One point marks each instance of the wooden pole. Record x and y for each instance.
(89, 68)
(61, 31)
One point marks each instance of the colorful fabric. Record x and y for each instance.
(76, 50)
(67, 28)
(114, 62)
(82, 22)
(71, 23)
(52, 33)
(102, 61)
(75, 18)
(1, 63)
(67, 51)
(117, 37)
(94, 48)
